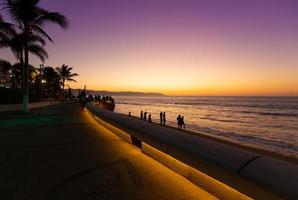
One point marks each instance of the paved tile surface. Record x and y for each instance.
(58, 152)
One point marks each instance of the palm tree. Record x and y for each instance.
(15, 41)
(30, 19)
(53, 84)
(65, 74)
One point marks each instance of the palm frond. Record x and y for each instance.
(51, 17)
(39, 31)
(73, 75)
(14, 42)
(4, 44)
(6, 28)
(37, 38)
(20, 11)
(70, 79)
(38, 51)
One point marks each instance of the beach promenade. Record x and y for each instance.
(58, 152)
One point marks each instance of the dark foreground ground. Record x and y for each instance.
(58, 153)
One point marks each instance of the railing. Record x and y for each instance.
(227, 171)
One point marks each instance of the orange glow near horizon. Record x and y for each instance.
(283, 89)
(192, 68)
(191, 77)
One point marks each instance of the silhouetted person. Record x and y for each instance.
(83, 99)
(182, 122)
(160, 117)
(164, 118)
(149, 119)
(129, 113)
(141, 114)
(69, 94)
(179, 122)
(112, 100)
(90, 97)
(145, 115)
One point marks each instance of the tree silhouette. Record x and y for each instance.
(31, 19)
(53, 84)
(66, 75)
(13, 71)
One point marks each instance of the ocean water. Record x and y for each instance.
(269, 123)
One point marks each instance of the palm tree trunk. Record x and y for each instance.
(22, 73)
(13, 78)
(63, 83)
(25, 79)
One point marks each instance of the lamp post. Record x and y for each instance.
(41, 81)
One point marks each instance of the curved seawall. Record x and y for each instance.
(197, 158)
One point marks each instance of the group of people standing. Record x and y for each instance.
(143, 116)
(162, 118)
(104, 99)
(180, 122)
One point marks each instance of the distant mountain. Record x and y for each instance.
(121, 93)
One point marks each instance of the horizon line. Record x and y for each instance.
(128, 91)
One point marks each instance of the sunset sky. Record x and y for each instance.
(178, 47)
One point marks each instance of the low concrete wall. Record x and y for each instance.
(18, 107)
(255, 175)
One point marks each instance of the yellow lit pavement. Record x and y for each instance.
(73, 157)
(158, 181)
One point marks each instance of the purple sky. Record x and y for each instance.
(198, 44)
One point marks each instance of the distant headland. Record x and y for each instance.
(120, 93)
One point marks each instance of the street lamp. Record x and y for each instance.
(41, 66)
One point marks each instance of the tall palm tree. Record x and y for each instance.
(30, 18)
(15, 41)
(66, 75)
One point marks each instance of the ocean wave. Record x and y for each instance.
(271, 144)
(239, 105)
(133, 104)
(271, 113)
(222, 120)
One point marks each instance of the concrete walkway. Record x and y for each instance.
(57, 152)
(18, 107)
